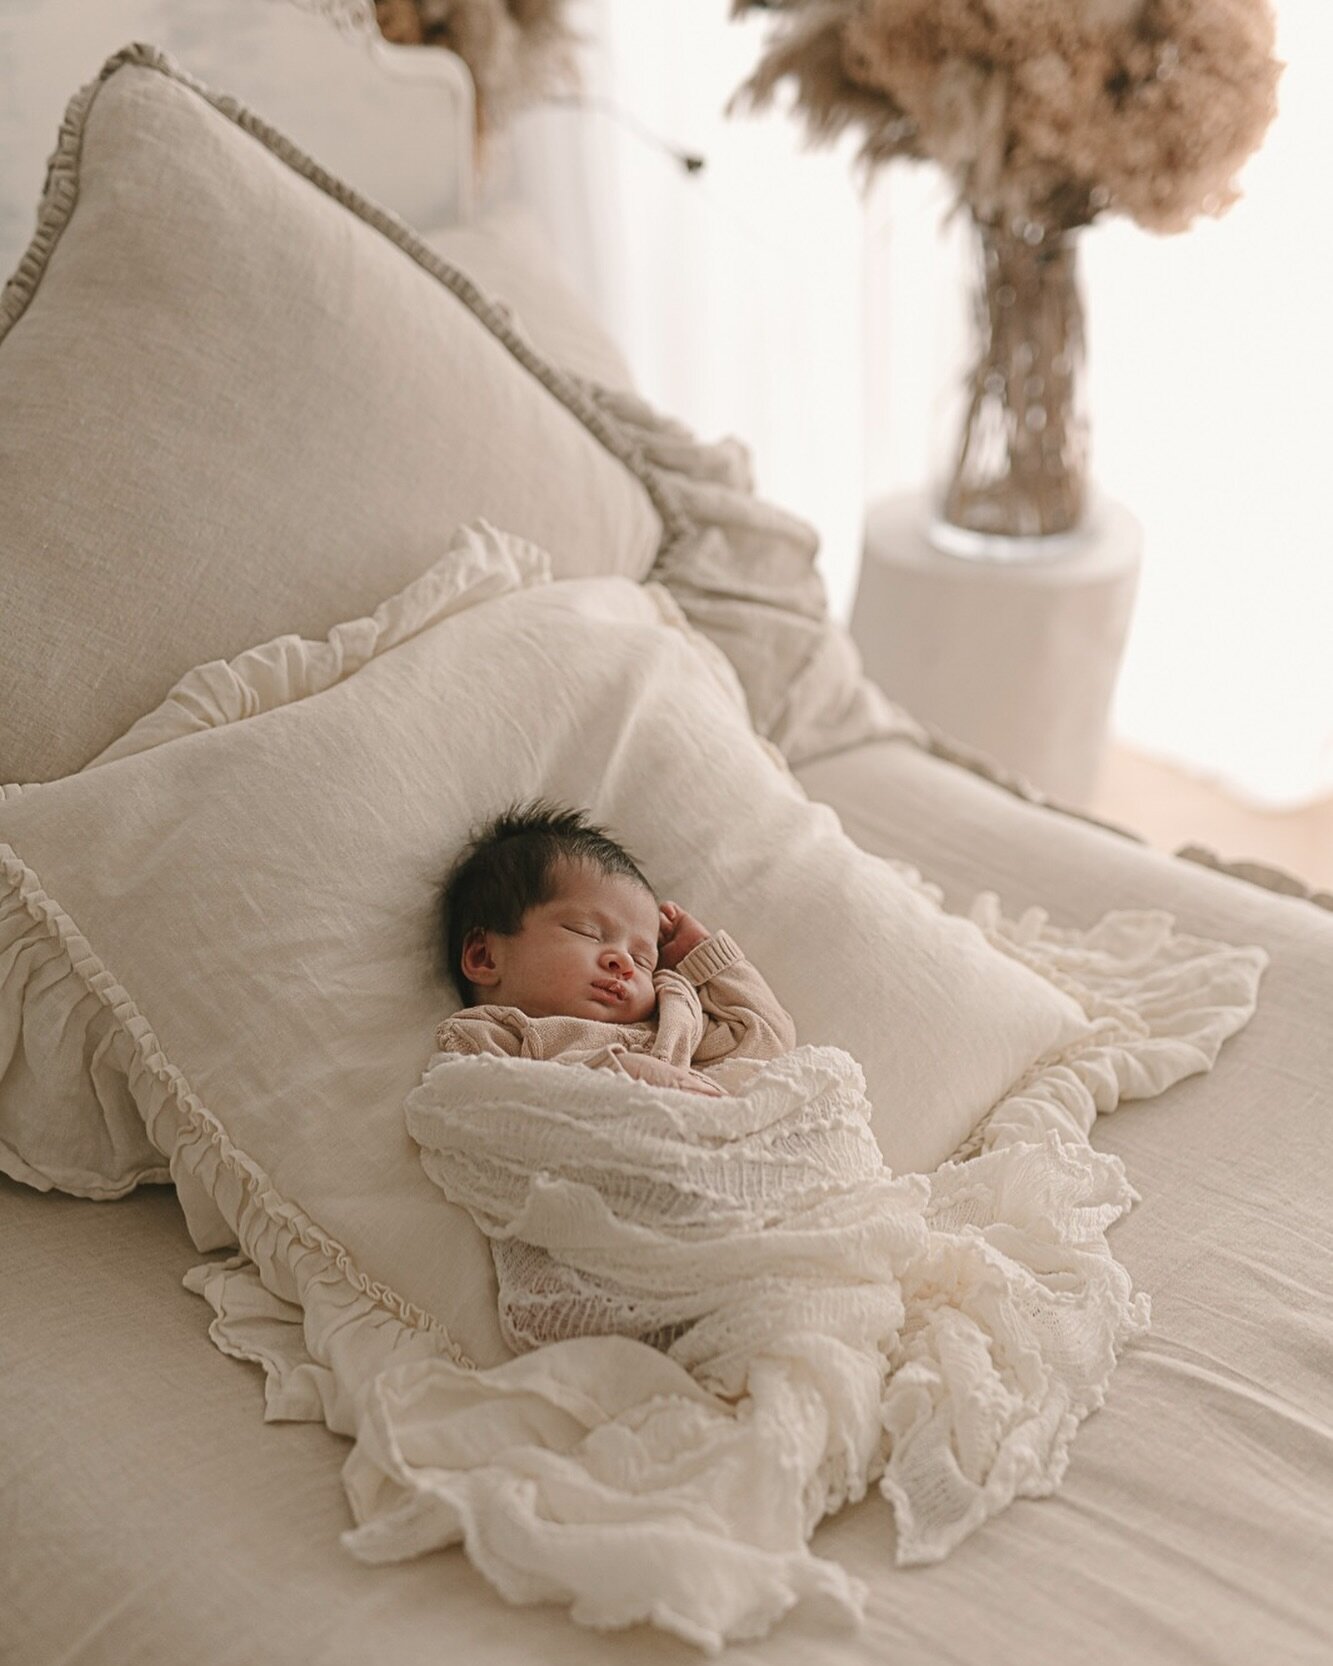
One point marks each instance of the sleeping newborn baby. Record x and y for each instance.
(560, 950)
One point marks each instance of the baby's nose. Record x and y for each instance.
(616, 960)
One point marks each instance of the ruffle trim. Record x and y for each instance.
(254, 1325)
(1159, 1003)
(747, 581)
(1263, 874)
(353, 1324)
(480, 563)
(59, 196)
(66, 1120)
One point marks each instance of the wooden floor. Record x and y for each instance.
(1170, 808)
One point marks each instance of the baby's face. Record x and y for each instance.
(588, 953)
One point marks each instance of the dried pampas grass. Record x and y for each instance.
(1049, 111)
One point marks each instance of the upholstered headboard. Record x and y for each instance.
(396, 122)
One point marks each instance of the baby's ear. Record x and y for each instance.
(477, 961)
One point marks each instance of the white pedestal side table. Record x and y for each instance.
(1014, 659)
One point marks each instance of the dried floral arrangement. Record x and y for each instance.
(1056, 110)
(1045, 114)
(517, 51)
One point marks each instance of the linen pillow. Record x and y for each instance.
(235, 399)
(231, 931)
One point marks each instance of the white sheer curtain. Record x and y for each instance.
(765, 298)
(735, 292)
(1212, 391)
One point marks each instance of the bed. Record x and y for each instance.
(269, 448)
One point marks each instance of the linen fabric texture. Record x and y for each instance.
(237, 399)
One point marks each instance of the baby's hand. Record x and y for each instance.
(679, 933)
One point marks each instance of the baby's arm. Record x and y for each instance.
(680, 1018)
(745, 1019)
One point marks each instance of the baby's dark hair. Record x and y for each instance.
(509, 867)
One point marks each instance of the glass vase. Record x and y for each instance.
(1012, 470)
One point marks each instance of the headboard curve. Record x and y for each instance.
(396, 122)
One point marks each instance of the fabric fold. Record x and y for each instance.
(743, 571)
(1160, 1004)
(251, 1323)
(563, 1464)
(58, 1029)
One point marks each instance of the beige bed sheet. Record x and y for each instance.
(148, 1515)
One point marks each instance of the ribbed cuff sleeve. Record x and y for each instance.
(709, 958)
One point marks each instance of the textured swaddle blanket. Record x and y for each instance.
(826, 1324)
(720, 1227)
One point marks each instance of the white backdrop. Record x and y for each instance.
(764, 297)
